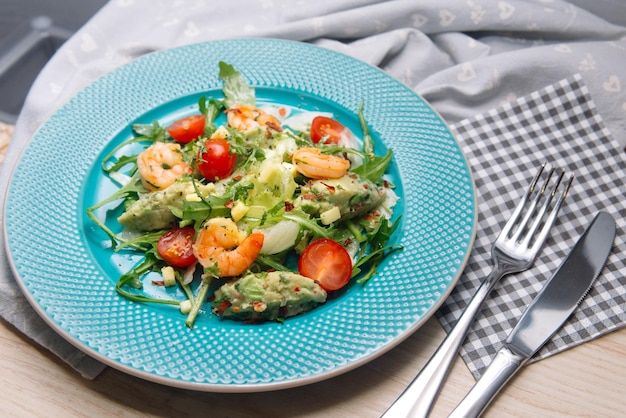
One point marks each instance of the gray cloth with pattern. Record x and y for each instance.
(567, 131)
(465, 58)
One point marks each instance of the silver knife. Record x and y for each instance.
(546, 314)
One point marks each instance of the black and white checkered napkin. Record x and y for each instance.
(505, 147)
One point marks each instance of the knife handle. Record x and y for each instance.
(504, 365)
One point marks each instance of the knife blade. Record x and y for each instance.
(546, 314)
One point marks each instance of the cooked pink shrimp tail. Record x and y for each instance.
(220, 242)
(161, 164)
(313, 164)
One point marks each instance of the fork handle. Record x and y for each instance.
(419, 396)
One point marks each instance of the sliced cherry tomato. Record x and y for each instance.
(214, 160)
(321, 127)
(327, 262)
(176, 247)
(187, 129)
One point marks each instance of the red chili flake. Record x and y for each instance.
(309, 196)
(229, 204)
(237, 178)
(158, 282)
(282, 111)
(296, 289)
(331, 189)
(275, 126)
(288, 206)
(347, 242)
(223, 306)
(259, 306)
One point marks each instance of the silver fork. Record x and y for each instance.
(515, 250)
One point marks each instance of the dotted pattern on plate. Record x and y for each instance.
(46, 228)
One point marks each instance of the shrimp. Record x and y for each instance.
(161, 164)
(244, 117)
(313, 164)
(220, 242)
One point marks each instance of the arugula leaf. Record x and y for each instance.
(153, 132)
(310, 224)
(383, 233)
(121, 162)
(199, 211)
(355, 230)
(146, 242)
(236, 89)
(378, 250)
(128, 159)
(271, 262)
(152, 261)
(129, 190)
(147, 133)
(133, 279)
(368, 142)
(211, 109)
(374, 168)
(197, 302)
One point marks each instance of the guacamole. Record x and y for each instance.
(267, 296)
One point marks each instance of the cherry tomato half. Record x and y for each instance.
(176, 247)
(187, 129)
(327, 262)
(321, 127)
(214, 160)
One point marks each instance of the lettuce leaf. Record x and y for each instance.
(236, 89)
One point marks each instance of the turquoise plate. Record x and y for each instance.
(68, 273)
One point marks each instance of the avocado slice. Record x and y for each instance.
(352, 194)
(267, 296)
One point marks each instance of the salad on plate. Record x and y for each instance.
(263, 210)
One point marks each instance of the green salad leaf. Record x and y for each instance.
(211, 109)
(130, 190)
(236, 89)
(378, 250)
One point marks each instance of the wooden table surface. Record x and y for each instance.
(587, 381)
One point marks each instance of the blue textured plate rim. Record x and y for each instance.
(444, 142)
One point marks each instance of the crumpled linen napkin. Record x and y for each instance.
(15, 309)
(505, 146)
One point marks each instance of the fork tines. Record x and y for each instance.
(524, 232)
